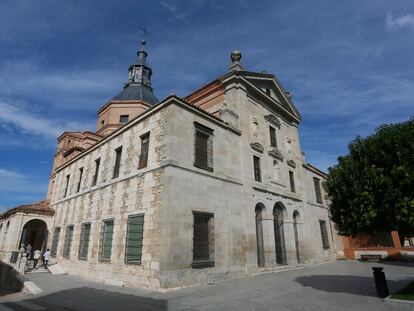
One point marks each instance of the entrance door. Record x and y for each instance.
(279, 235)
(259, 236)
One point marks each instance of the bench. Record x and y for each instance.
(370, 257)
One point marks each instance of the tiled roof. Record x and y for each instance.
(40, 208)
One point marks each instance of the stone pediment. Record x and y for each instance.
(257, 147)
(272, 119)
(291, 163)
(276, 153)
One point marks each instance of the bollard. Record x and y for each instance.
(380, 282)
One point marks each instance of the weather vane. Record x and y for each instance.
(145, 33)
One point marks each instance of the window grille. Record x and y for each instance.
(80, 179)
(135, 235)
(324, 234)
(203, 240)
(318, 193)
(68, 241)
(95, 176)
(84, 241)
(143, 158)
(55, 241)
(118, 155)
(256, 167)
(292, 181)
(67, 185)
(124, 119)
(107, 230)
(273, 140)
(203, 147)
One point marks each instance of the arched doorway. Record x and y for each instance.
(34, 233)
(278, 224)
(295, 230)
(259, 235)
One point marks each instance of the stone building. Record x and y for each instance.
(189, 190)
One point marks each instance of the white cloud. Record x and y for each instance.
(10, 174)
(399, 21)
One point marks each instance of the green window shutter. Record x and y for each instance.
(135, 235)
(84, 241)
(55, 241)
(107, 231)
(68, 241)
(324, 234)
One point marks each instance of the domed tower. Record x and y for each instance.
(136, 97)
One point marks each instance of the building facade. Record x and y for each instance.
(190, 190)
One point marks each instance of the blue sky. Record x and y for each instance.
(348, 64)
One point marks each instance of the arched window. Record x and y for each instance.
(259, 235)
(295, 230)
(278, 224)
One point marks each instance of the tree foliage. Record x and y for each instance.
(372, 188)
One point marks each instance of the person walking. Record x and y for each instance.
(36, 257)
(46, 256)
(28, 250)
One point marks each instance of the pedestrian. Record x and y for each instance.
(46, 258)
(36, 257)
(28, 250)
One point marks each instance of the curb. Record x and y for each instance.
(389, 299)
(28, 285)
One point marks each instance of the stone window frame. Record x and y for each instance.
(200, 131)
(102, 238)
(292, 181)
(318, 190)
(67, 246)
(84, 239)
(257, 169)
(117, 164)
(78, 187)
(55, 241)
(324, 234)
(139, 240)
(203, 258)
(143, 157)
(124, 118)
(96, 173)
(65, 193)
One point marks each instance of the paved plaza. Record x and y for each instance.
(341, 285)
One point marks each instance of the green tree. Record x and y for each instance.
(372, 188)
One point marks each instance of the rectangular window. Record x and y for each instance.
(68, 241)
(203, 240)
(84, 241)
(124, 119)
(55, 241)
(324, 234)
(67, 185)
(318, 193)
(292, 181)
(107, 231)
(143, 157)
(95, 175)
(256, 167)
(273, 140)
(203, 147)
(118, 155)
(80, 179)
(135, 235)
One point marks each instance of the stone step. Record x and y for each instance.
(40, 270)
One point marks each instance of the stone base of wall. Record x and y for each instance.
(393, 253)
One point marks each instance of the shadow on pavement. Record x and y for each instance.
(357, 285)
(85, 298)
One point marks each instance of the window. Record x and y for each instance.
(102, 123)
(55, 241)
(318, 193)
(124, 119)
(273, 141)
(107, 231)
(256, 167)
(84, 241)
(203, 240)
(67, 185)
(68, 241)
(143, 157)
(292, 181)
(268, 92)
(95, 176)
(203, 155)
(118, 153)
(80, 179)
(135, 234)
(324, 234)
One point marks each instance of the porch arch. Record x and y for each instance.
(35, 233)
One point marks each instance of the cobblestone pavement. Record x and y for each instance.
(341, 285)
